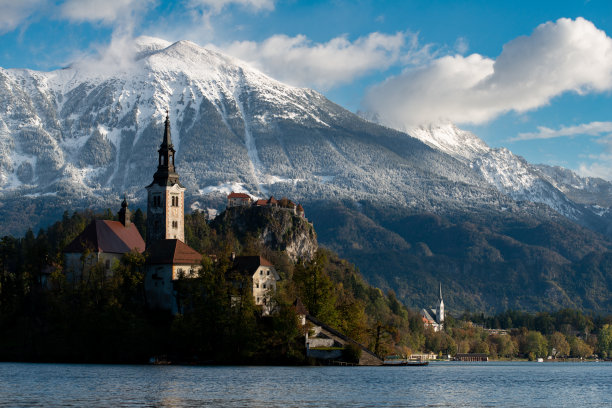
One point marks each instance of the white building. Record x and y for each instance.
(261, 275)
(434, 317)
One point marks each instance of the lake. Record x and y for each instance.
(456, 384)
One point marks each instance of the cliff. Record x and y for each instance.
(277, 228)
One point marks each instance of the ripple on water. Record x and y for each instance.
(437, 385)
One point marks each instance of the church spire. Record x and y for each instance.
(440, 291)
(167, 142)
(124, 213)
(166, 173)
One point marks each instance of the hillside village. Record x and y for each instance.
(250, 286)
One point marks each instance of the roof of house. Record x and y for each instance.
(247, 265)
(299, 307)
(428, 315)
(238, 195)
(172, 252)
(300, 208)
(107, 236)
(261, 202)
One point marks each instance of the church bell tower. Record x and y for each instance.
(440, 310)
(165, 196)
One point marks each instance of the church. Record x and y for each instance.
(434, 317)
(168, 257)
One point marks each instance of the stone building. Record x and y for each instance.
(168, 261)
(165, 196)
(260, 275)
(168, 257)
(238, 200)
(102, 241)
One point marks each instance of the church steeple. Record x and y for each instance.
(166, 174)
(124, 213)
(440, 309)
(166, 196)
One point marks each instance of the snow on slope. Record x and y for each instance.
(508, 173)
(94, 128)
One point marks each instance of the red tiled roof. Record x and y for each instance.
(238, 195)
(172, 251)
(107, 236)
(261, 203)
(272, 200)
(300, 208)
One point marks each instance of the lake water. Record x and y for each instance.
(437, 385)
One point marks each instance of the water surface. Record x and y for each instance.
(455, 384)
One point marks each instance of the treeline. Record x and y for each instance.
(515, 334)
(104, 318)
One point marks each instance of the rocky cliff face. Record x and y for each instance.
(276, 228)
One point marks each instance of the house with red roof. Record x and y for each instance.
(238, 200)
(102, 242)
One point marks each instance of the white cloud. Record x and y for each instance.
(566, 55)
(589, 129)
(15, 12)
(217, 5)
(299, 61)
(597, 169)
(600, 165)
(103, 11)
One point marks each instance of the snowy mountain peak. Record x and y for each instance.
(460, 144)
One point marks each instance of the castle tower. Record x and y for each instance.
(165, 196)
(440, 309)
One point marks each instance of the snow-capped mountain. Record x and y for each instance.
(95, 132)
(92, 130)
(438, 196)
(559, 188)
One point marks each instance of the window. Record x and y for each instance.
(107, 264)
(268, 273)
(264, 285)
(257, 285)
(175, 224)
(156, 201)
(175, 201)
(257, 300)
(261, 272)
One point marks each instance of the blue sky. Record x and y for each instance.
(532, 76)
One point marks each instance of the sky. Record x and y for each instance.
(531, 76)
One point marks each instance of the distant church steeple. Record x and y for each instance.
(166, 196)
(440, 308)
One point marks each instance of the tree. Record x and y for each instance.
(578, 348)
(535, 344)
(558, 345)
(605, 340)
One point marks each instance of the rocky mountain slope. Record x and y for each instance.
(85, 135)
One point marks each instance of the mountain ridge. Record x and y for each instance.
(82, 137)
